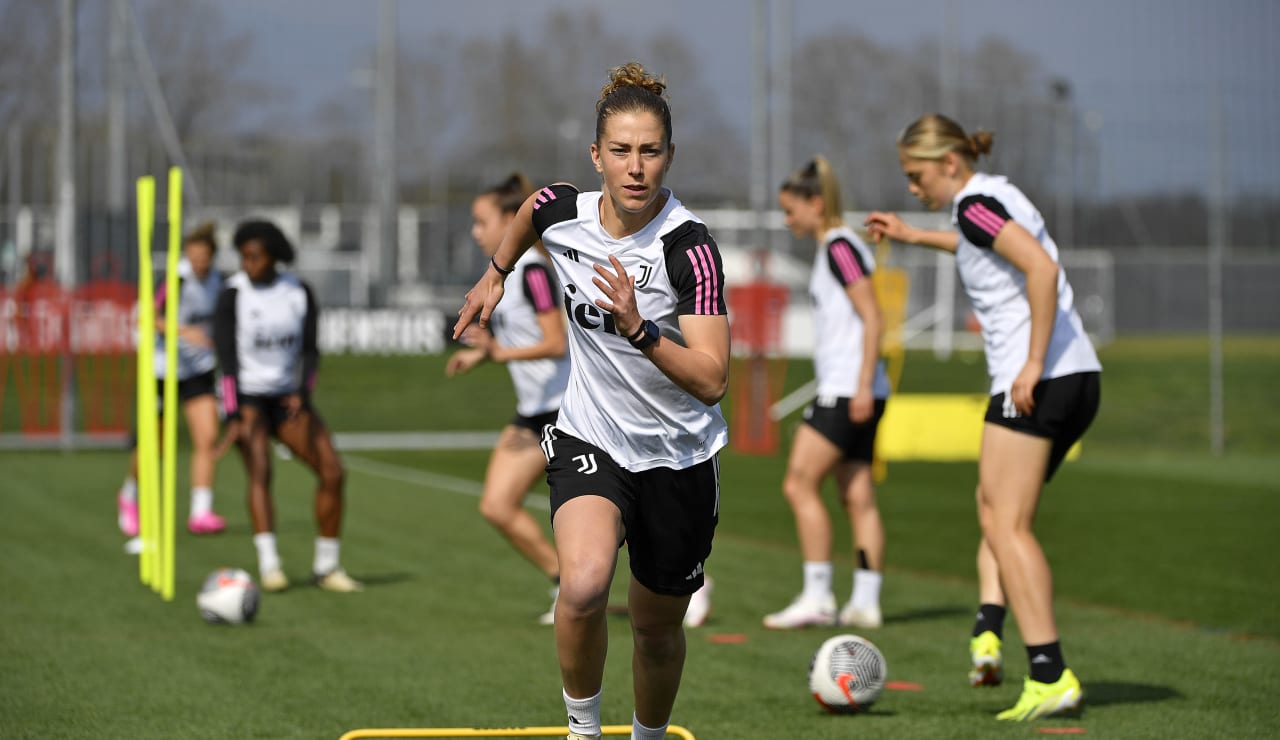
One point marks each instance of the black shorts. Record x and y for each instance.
(193, 387)
(271, 407)
(536, 422)
(669, 515)
(829, 416)
(1065, 407)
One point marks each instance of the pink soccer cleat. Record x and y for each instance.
(127, 516)
(206, 523)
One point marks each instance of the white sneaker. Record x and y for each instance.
(804, 612)
(274, 580)
(869, 618)
(576, 736)
(338, 581)
(550, 616)
(699, 605)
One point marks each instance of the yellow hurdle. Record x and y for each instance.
(561, 731)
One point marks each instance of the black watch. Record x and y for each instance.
(646, 336)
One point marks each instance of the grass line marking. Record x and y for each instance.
(437, 481)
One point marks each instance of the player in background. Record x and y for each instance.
(265, 332)
(198, 288)
(1045, 389)
(633, 455)
(838, 436)
(529, 336)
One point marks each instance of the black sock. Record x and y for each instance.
(990, 619)
(555, 580)
(862, 559)
(1047, 664)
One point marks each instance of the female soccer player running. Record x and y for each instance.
(839, 433)
(265, 331)
(528, 335)
(633, 456)
(198, 288)
(1044, 389)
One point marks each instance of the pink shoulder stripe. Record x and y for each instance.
(541, 290)
(984, 218)
(706, 279)
(545, 195)
(849, 269)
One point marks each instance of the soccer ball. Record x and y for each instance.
(228, 596)
(847, 674)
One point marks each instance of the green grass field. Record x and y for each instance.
(1165, 563)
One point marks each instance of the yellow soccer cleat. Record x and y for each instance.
(988, 664)
(1043, 699)
(274, 580)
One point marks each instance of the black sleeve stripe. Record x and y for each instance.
(981, 218)
(554, 204)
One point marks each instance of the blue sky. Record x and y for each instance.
(1144, 72)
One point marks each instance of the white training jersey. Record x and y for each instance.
(998, 289)
(266, 337)
(842, 259)
(197, 300)
(617, 399)
(539, 383)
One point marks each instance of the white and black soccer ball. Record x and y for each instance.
(847, 674)
(228, 596)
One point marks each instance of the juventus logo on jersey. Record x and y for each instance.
(646, 272)
(571, 253)
(586, 463)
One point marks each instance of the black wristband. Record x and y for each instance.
(646, 337)
(494, 261)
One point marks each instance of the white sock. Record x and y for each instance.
(817, 580)
(129, 489)
(640, 732)
(866, 589)
(268, 558)
(584, 714)
(326, 560)
(201, 501)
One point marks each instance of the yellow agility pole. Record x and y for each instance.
(146, 402)
(169, 448)
(560, 731)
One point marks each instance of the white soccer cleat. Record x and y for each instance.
(338, 581)
(274, 580)
(699, 605)
(869, 618)
(804, 612)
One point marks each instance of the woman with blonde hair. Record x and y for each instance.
(198, 288)
(633, 456)
(528, 335)
(1045, 389)
(838, 435)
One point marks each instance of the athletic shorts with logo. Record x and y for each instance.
(829, 416)
(1065, 407)
(669, 516)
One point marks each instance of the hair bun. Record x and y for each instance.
(981, 142)
(633, 74)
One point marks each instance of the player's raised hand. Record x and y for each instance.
(620, 290)
(884, 223)
(480, 301)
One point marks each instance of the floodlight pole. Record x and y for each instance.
(780, 109)
(65, 234)
(759, 124)
(1218, 235)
